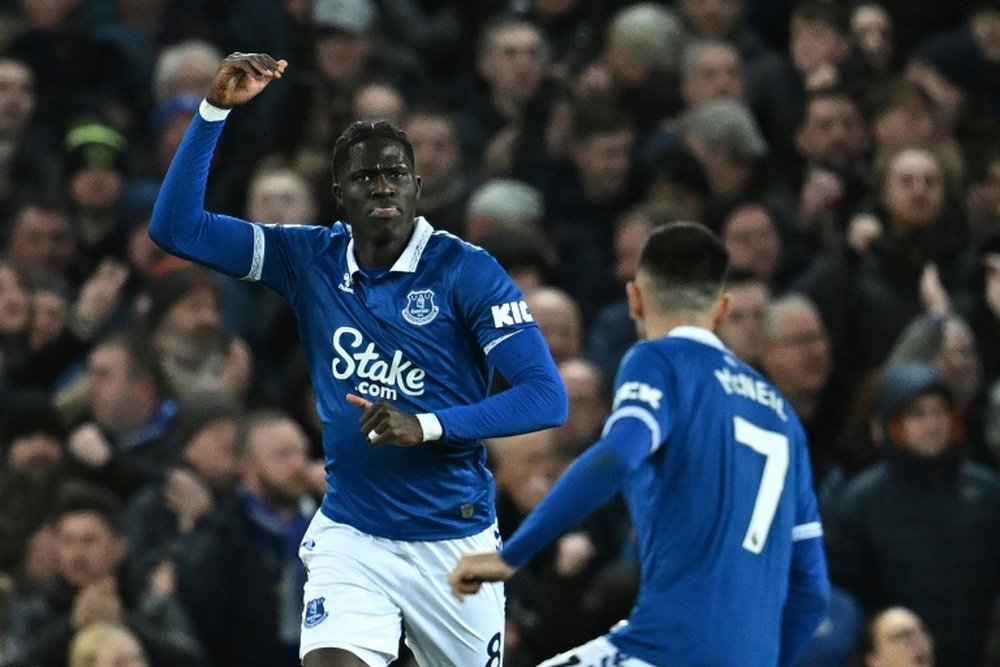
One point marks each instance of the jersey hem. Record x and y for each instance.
(410, 536)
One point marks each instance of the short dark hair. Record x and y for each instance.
(363, 130)
(688, 264)
(833, 91)
(78, 497)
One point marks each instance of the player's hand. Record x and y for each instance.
(385, 424)
(241, 77)
(473, 570)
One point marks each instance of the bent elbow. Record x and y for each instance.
(159, 231)
(559, 406)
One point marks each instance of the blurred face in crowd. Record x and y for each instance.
(833, 132)
(525, 467)
(17, 97)
(96, 188)
(281, 197)
(46, 14)
(436, 150)
(194, 317)
(112, 390)
(34, 455)
(143, 254)
(212, 452)
(909, 121)
(169, 139)
(49, 314)
(716, 72)
(900, 640)
(871, 29)
(379, 101)
(553, 8)
(712, 18)
(513, 62)
(796, 351)
(815, 43)
(752, 241)
(603, 161)
(15, 302)
(41, 242)
(957, 360)
(88, 549)
(986, 32)
(275, 462)
(587, 406)
(924, 426)
(342, 56)
(914, 190)
(741, 328)
(629, 238)
(559, 320)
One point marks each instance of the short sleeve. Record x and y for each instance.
(489, 300)
(643, 392)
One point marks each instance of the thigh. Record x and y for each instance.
(440, 630)
(596, 653)
(347, 604)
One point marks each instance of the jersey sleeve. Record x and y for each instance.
(283, 253)
(643, 392)
(490, 301)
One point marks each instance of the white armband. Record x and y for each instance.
(431, 426)
(211, 113)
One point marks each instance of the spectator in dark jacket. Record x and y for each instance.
(921, 528)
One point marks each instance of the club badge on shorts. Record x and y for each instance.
(420, 307)
(315, 613)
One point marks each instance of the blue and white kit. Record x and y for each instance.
(714, 468)
(424, 334)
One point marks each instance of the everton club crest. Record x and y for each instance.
(315, 613)
(420, 307)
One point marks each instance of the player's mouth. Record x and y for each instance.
(385, 211)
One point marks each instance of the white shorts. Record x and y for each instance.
(362, 590)
(596, 653)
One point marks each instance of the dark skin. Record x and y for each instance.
(378, 192)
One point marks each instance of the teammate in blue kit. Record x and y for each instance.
(713, 466)
(388, 309)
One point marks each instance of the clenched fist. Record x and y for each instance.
(241, 77)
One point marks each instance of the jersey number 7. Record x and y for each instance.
(774, 446)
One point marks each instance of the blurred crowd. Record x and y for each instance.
(159, 450)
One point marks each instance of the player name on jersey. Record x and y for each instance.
(752, 388)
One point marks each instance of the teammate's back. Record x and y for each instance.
(715, 505)
(714, 469)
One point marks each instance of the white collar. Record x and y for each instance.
(699, 335)
(408, 261)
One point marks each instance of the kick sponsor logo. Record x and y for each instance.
(511, 313)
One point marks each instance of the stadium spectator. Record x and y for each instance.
(883, 534)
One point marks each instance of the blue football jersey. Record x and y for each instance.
(718, 502)
(417, 336)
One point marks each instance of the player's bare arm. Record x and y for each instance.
(385, 424)
(241, 77)
(473, 570)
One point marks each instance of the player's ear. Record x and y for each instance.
(722, 307)
(338, 194)
(634, 295)
(420, 185)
